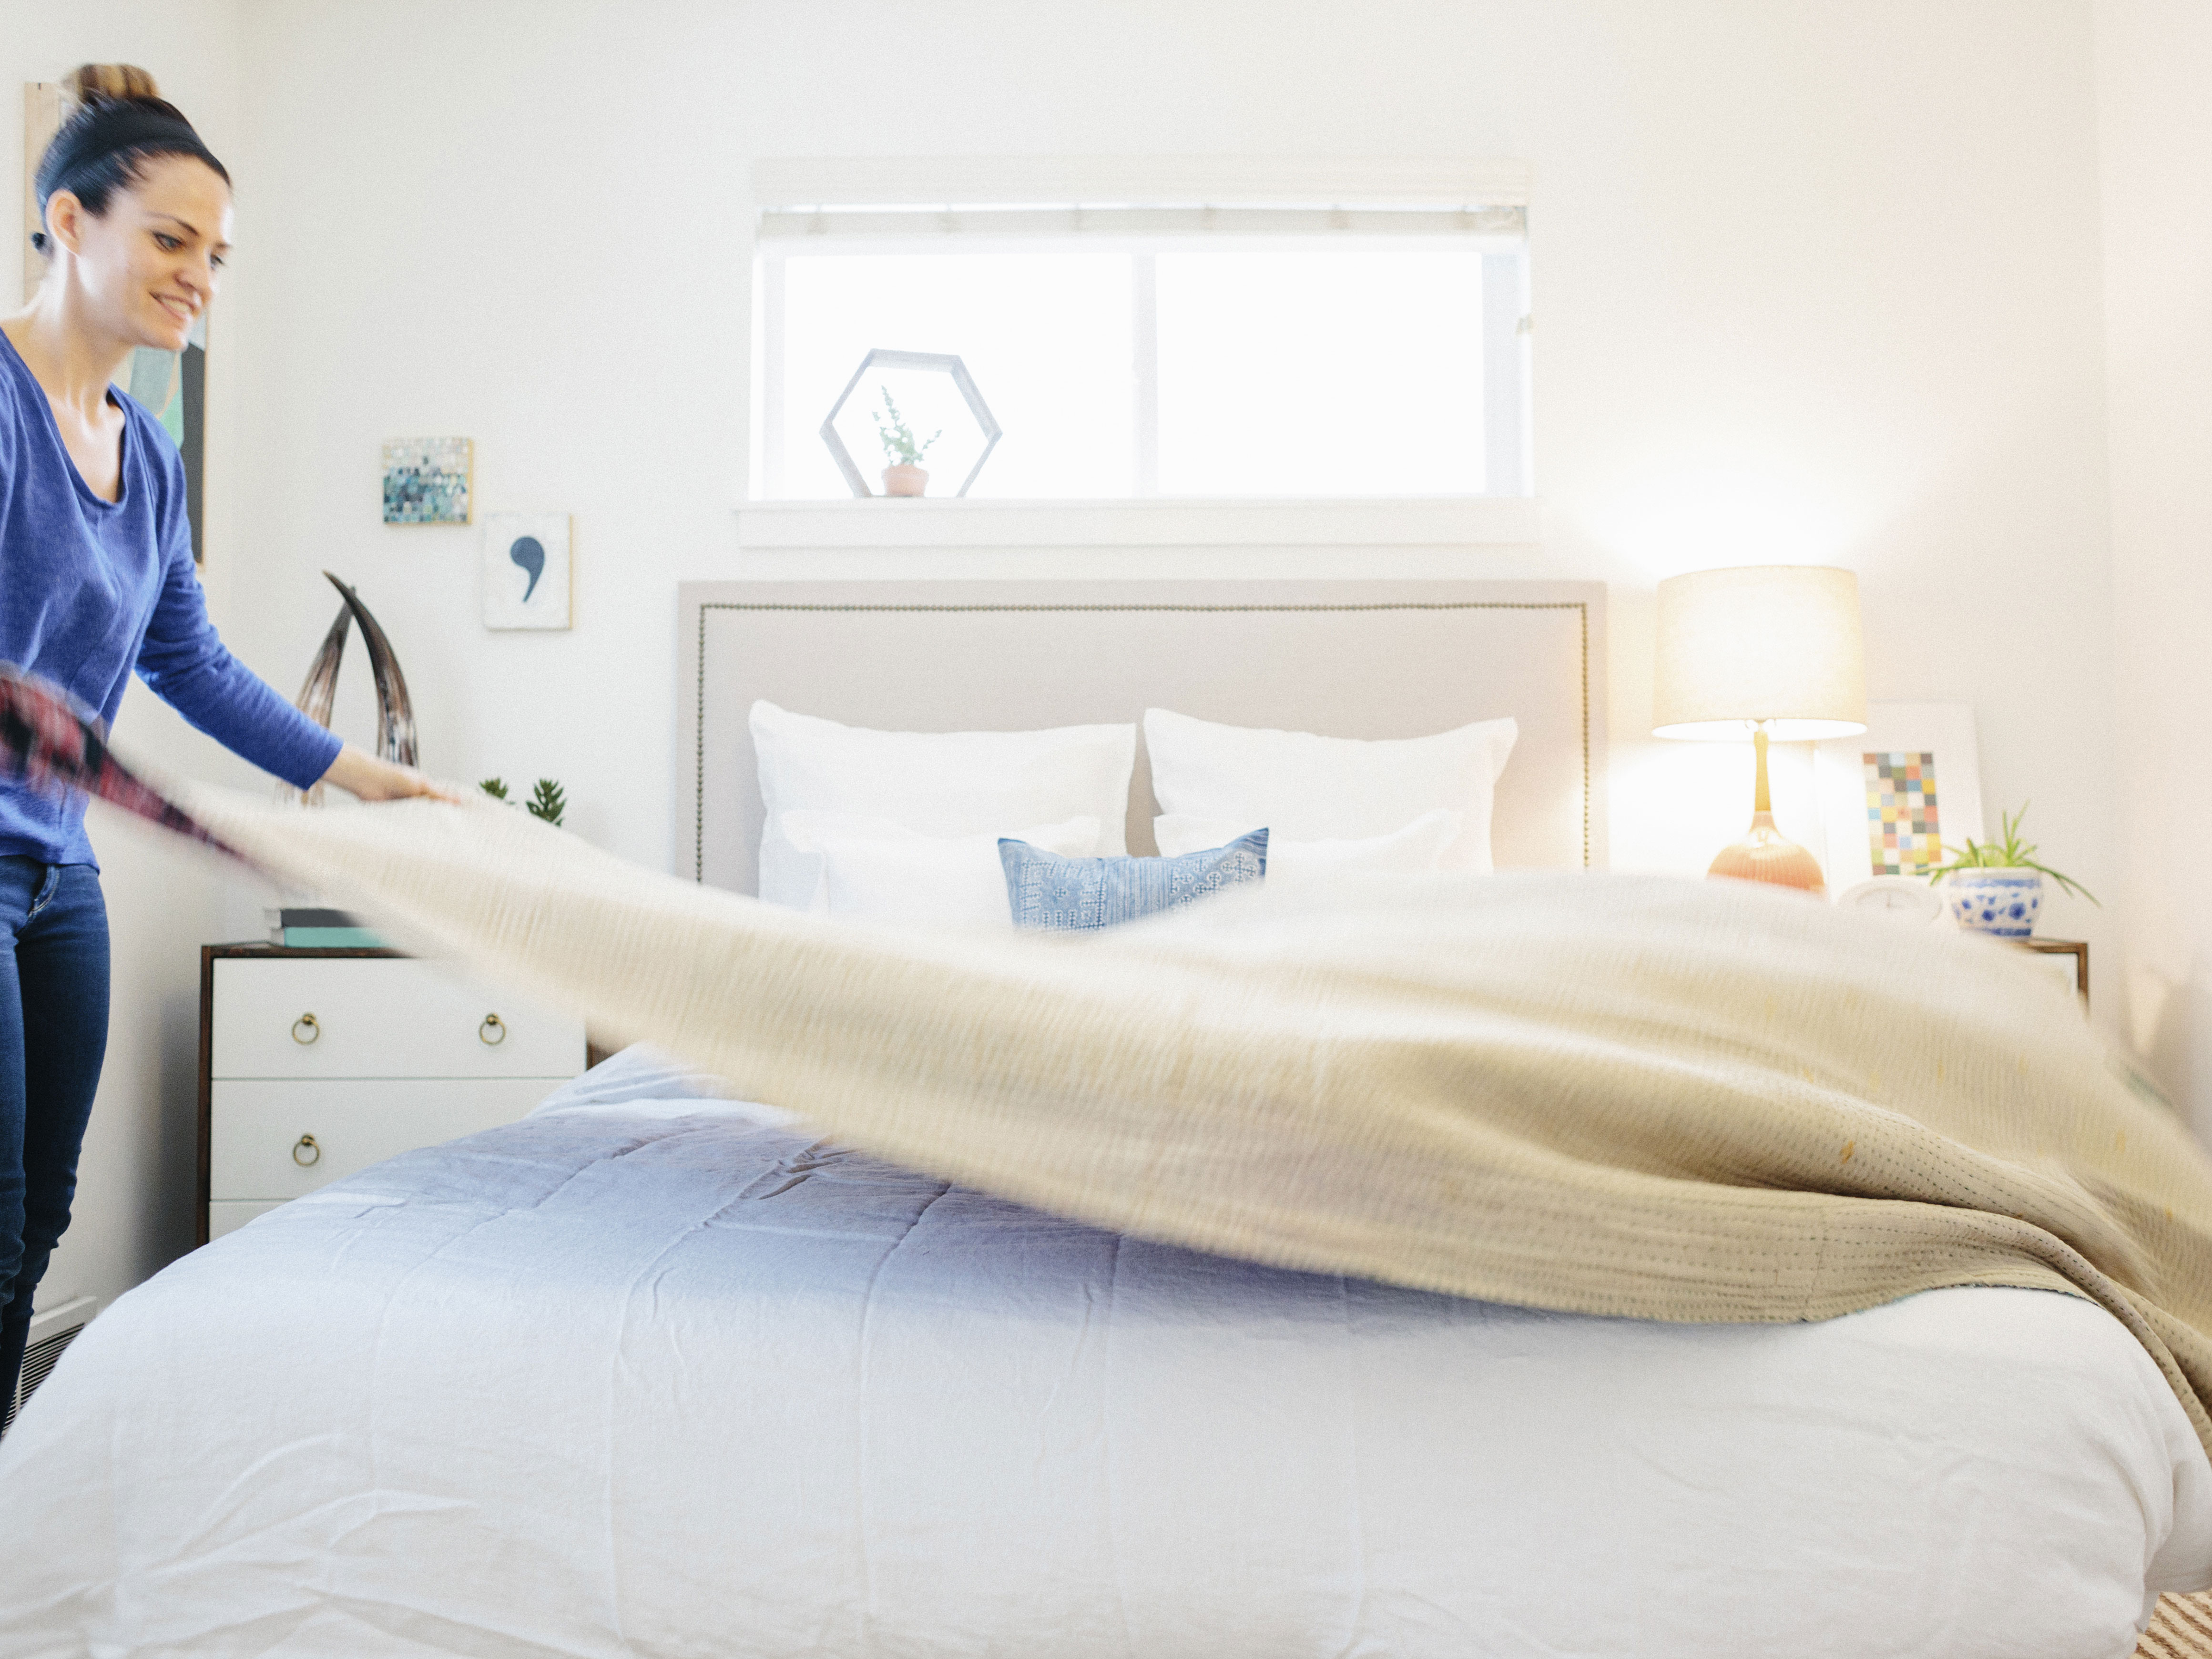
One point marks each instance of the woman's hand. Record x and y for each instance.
(359, 773)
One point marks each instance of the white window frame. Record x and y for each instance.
(837, 191)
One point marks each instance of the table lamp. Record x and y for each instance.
(1766, 652)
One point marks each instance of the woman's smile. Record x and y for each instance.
(180, 307)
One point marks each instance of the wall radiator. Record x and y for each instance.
(52, 1330)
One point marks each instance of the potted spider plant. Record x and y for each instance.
(1996, 887)
(902, 473)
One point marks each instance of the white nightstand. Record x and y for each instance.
(314, 1064)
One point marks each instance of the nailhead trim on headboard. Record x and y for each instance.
(699, 759)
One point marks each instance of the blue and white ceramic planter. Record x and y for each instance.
(2003, 903)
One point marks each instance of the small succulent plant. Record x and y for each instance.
(899, 447)
(548, 801)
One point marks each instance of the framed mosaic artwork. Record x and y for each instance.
(1894, 797)
(428, 480)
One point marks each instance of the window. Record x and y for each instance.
(1268, 351)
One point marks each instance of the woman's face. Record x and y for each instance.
(149, 266)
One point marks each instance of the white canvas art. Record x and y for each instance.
(525, 570)
(1895, 798)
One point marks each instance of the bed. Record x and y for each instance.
(658, 1373)
(662, 1377)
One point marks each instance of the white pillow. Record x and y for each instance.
(638, 1071)
(913, 880)
(942, 783)
(1306, 788)
(810, 833)
(1303, 864)
(646, 1082)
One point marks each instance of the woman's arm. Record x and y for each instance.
(185, 662)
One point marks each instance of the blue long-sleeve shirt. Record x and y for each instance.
(91, 590)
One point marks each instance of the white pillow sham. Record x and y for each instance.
(941, 783)
(647, 1082)
(638, 1071)
(913, 880)
(1305, 787)
(1300, 865)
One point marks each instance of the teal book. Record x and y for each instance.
(327, 938)
(324, 930)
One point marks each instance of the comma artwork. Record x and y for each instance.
(426, 480)
(525, 570)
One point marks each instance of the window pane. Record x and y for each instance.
(1046, 337)
(1320, 374)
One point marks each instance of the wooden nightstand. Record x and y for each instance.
(317, 1063)
(2068, 960)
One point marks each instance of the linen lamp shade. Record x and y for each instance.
(1777, 643)
(1765, 652)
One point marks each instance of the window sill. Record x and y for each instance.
(880, 522)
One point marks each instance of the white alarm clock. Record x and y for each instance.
(1909, 898)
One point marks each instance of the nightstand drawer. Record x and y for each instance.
(276, 1140)
(377, 1018)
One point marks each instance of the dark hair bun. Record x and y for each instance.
(106, 83)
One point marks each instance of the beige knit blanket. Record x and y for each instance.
(1671, 1100)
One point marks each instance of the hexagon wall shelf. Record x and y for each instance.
(940, 362)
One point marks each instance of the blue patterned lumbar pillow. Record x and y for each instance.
(1047, 890)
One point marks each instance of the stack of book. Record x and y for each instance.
(304, 929)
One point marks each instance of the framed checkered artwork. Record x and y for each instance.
(1894, 798)
(1903, 811)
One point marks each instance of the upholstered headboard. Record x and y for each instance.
(1346, 659)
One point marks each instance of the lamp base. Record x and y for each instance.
(1766, 854)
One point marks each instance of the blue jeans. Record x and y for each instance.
(53, 1034)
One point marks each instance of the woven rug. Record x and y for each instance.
(2181, 1630)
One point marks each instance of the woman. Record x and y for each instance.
(96, 580)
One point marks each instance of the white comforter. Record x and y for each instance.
(664, 1379)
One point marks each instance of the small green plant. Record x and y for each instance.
(548, 802)
(899, 447)
(2011, 854)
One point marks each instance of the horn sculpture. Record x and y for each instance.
(395, 713)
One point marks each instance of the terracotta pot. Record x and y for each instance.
(2001, 902)
(905, 480)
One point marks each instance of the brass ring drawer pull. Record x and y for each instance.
(492, 1032)
(306, 1153)
(306, 1023)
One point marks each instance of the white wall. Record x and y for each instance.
(133, 1210)
(1813, 283)
(2154, 62)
